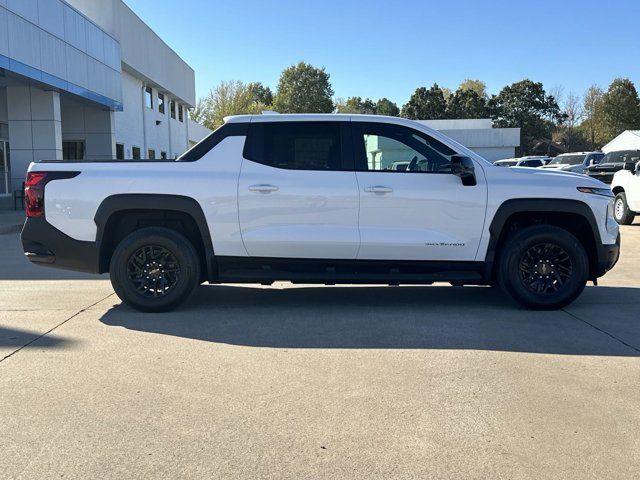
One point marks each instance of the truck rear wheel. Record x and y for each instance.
(154, 269)
(621, 211)
(543, 267)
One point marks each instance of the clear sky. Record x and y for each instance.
(375, 48)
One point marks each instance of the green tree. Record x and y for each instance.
(527, 106)
(467, 104)
(593, 123)
(426, 104)
(620, 108)
(356, 105)
(228, 98)
(477, 86)
(304, 88)
(261, 94)
(384, 106)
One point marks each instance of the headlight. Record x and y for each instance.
(605, 192)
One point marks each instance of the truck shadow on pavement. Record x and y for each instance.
(604, 321)
(16, 338)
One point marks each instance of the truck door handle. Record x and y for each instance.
(263, 188)
(378, 189)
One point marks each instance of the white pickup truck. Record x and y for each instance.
(626, 187)
(316, 199)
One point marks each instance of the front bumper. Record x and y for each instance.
(45, 245)
(608, 256)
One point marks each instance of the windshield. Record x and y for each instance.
(621, 157)
(567, 160)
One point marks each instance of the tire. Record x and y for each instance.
(621, 211)
(160, 286)
(543, 267)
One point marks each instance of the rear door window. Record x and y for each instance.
(300, 145)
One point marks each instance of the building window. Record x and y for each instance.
(180, 113)
(135, 153)
(148, 97)
(163, 155)
(119, 151)
(161, 103)
(152, 154)
(73, 150)
(172, 108)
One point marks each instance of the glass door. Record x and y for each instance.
(5, 183)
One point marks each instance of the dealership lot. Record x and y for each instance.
(317, 382)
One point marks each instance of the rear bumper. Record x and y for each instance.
(43, 244)
(608, 256)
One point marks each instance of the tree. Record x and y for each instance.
(261, 94)
(525, 105)
(228, 98)
(426, 104)
(477, 86)
(592, 126)
(384, 106)
(567, 133)
(304, 88)
(356, 105)
(467, 104)
(620, 108)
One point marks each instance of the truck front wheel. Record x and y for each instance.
(621, 211)
(543, 267)
(154, 269)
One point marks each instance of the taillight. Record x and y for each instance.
(34, 190)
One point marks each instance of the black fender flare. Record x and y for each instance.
(150, 201)
(534, 205)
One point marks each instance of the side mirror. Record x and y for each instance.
(463, 167)
(637, 169)
(631, 166)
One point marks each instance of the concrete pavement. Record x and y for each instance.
(317, 382)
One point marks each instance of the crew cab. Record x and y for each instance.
(316, 199)
(626, 187)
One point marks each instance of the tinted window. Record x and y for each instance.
(135, 153)
(621, 156)
(119, 151)
(394, 148)
(531, 163)
(296, 145)
(73, 150)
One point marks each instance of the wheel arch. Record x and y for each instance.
(574, 216)
(617, 189)
(119, 215)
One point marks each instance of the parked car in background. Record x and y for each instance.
(626, 188)
(531, 162)
(611, 163)
(576, 162)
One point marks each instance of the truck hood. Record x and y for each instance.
(551, 176)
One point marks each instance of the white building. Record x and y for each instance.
(480, 136)
(87, 79)
(627, 140)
